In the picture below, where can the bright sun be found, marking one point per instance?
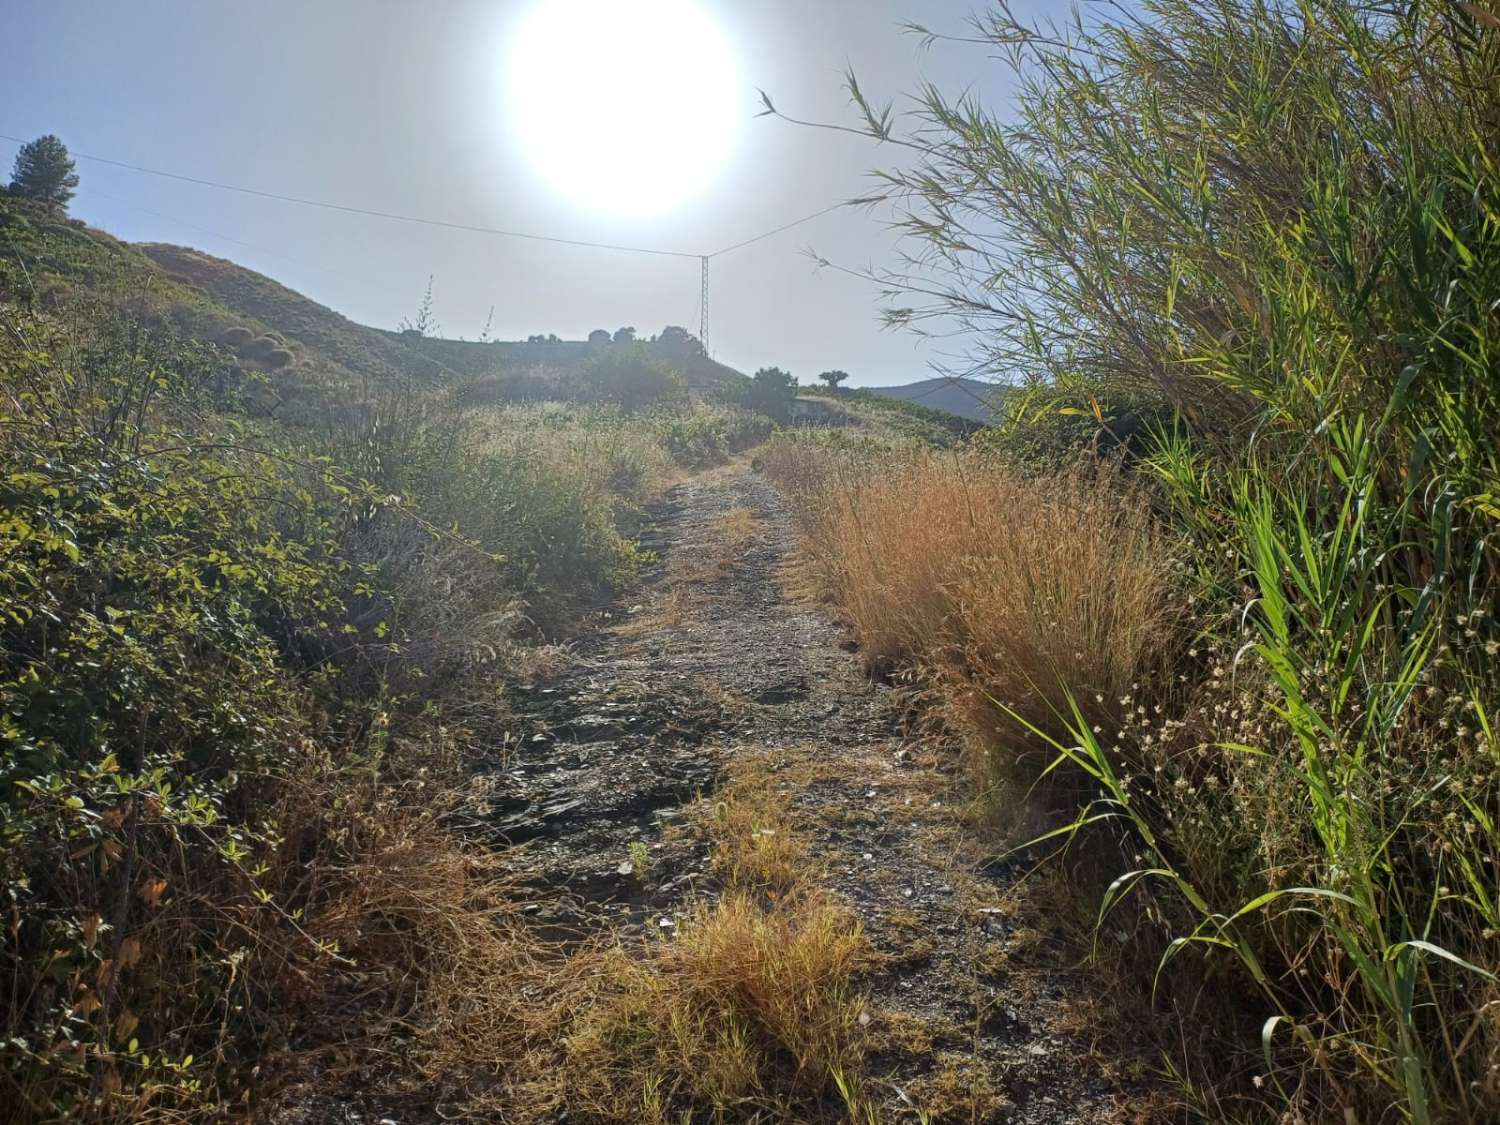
(626, 106)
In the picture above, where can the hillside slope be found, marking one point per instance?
(338, 342)
(382, 354)
(58, 261)
(319, 356)
(968, 398)
(323, 355)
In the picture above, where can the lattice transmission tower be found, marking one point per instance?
(703, 309)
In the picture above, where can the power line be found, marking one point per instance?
(786, 227)
(423, 221)
(369, 212)
(392, 216)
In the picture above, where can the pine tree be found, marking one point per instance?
(44, 172)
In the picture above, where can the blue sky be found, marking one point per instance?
(397, 107)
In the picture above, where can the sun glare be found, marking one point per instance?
(627, 106)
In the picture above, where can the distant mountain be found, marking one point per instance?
(968, 398)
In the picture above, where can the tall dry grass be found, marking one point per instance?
(1005, 587)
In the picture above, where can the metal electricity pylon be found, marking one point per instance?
(703, 309)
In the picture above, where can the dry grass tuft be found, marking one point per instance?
(732, 534)
(756, 848)
(748, 1009)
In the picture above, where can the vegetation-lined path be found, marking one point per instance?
(717, 676)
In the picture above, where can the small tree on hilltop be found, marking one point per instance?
(624, 335)
(44, 172)
(834, 378)
(599, 336)
(679, 341)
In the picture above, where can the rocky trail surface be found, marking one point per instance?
(712, 668)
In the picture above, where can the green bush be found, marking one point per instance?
(771, 391)
(707, 435)
(153, 591)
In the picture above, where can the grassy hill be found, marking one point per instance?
(329, 340)
(300, 353)
(52, 260)
(864, 410)
(305, 354)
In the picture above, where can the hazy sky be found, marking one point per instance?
(405, 107)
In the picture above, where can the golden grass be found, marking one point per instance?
(751, 1008)
(692, 569)
(732, 533)
(1005, 587)
(746, 1009)
(756, 848)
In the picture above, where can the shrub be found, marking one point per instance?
(260, 347)
(237, 686)
(771, 391)
(704, 436)
(278, 358)
(236, 336)
(695, 441)
(152, 587)
(550, 488)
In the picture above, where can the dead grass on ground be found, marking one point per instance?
(732, 533)
(751, 1010)
(748, 1009)
(756, 848)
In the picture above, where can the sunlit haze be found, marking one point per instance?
(627, 122)
(625, 107)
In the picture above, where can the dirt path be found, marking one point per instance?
(712, 670)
